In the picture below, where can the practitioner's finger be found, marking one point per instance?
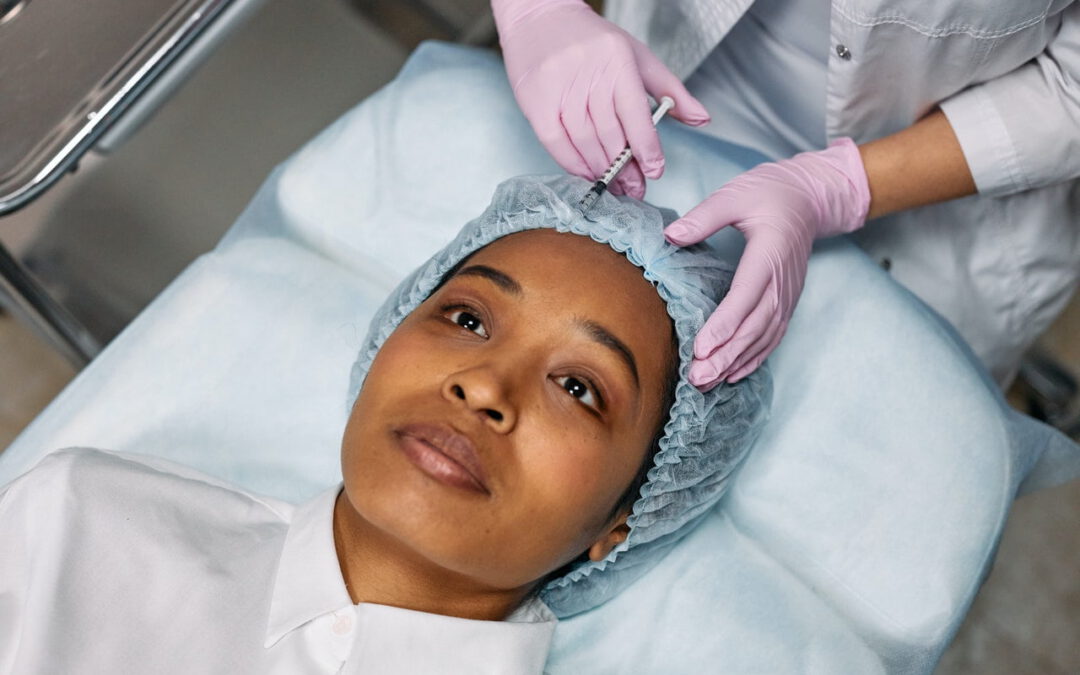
(632, 107)
(610, 132)
(720, 209)
(580, 127)
(759, 359)
(549, 130)
(760, 348)
(632, 180)
(745, 295)
(659, 82)
(709, 369)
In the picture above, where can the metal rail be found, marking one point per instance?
(27, 298)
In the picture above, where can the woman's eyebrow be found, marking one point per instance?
(595, 331)
(500, 279)
(603, 336)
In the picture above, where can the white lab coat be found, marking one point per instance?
(127, 564)
(1002, 264)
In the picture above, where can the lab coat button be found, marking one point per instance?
(843, 52)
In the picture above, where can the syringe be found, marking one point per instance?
(666, 104)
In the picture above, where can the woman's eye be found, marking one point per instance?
(468, 321)
(579, 390)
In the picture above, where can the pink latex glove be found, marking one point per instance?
(780, 208)
(582, 83)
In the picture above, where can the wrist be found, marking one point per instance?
(847, 189)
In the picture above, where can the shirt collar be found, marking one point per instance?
(532, 610)
(395, 640)
(309, 582)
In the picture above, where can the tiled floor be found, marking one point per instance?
(1027, 616)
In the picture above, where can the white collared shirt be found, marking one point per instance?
(124, 564)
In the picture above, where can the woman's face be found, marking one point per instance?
(502, 420)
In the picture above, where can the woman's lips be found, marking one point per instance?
(444, 454)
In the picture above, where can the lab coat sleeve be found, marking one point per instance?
(1022, 130)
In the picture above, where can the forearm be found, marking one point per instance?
(920, 165)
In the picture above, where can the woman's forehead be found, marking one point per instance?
(574, 270)
(545, 247)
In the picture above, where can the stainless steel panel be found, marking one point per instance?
(70, 68)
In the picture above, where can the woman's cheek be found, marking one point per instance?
(575, 467)
(410, 358)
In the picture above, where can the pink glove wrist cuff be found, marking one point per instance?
(849, 188)
(507, 13)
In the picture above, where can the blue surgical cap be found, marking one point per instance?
(706, 435)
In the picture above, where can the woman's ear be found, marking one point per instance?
(612, 537)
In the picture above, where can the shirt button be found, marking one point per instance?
(843, 52)
(342, 625)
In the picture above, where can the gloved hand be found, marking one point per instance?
(780, 208)
(582, 83)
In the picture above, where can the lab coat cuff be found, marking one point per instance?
(990, 152)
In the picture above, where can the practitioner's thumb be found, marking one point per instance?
(688, 109)
(702, 221)
(684, 232)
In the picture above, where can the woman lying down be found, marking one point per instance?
(523, 445)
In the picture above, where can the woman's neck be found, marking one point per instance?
(381, 569)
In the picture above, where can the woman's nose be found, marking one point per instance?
(483, 392)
